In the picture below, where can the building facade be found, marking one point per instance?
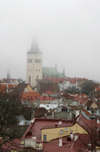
(34, 65)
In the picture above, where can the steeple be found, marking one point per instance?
(8, 74)
(34, 48)
(63, 72)
(56, 65)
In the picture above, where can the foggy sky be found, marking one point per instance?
(68, 33)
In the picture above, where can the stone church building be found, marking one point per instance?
(35, 70)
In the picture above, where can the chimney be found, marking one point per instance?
(71, 134)
(7, 89)
(60, 121)
(60, 142)
(89, 146)
(76, 137)
(53, 114)
(56, 125)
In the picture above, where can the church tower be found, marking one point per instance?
(34, 65)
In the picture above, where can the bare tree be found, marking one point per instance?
(10, 108)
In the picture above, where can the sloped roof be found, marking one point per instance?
(49, 92)
(11, 145)
(20, 88)
(34, 49)
(40, 123)
(82, 99)
(61, 75)
(89, 103)
(81, 144)
(30, 94)
(49, 71)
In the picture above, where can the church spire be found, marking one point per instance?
(8, 74)
(63, 72)
(56, 65)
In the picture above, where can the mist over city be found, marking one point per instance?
(68, 34)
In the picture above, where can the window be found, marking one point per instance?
(37, 61)
(44, 137)
(29, 60)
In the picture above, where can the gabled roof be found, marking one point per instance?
(40, 123)
(89, 103)
(20, 88)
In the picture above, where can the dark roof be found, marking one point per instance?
(20, 88)
(89, 103)
(26, 112)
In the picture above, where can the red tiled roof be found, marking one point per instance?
(30, 94)
(39, 123)
(60, 80)
(82, 99)
(48, 92)
(97, 89)
(3, 87)
(11, 145)
(81, 144)
(89, 103)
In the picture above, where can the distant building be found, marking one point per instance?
(34, 65)
(35, 71)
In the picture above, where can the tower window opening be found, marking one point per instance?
(29, 60)
(37, 61)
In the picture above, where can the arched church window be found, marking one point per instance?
(29, 80)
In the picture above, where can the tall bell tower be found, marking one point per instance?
(34, 65)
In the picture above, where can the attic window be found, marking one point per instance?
(44, 137)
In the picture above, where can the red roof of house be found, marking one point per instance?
(82, 99)
(97, 89)
(48, 92)
(11, 145)
(81, 144)
(60, 80)
(40, 123)
(30, 94)
(3, 87)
